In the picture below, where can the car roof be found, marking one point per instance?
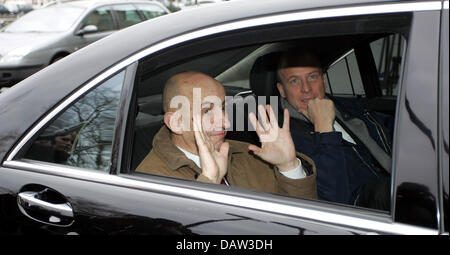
(43, 90)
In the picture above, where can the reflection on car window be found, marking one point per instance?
(127, 15)
(102, 18)
(359, 152)
(82, 135)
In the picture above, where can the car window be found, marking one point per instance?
(82, 135)
(100, 17)
(246, 66)
(388, 53)
(151, 11)
(343, 73)
(127, 15)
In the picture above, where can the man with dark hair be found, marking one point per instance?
(348, 143)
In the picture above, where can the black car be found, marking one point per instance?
(72, 134)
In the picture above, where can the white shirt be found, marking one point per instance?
(296, 173)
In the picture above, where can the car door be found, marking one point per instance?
(88, 184)
(60, 180)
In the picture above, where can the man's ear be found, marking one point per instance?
(281, 90)
(174, 122)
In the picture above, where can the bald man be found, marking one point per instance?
(192, 143)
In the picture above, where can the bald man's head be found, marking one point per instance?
(182, 84)
(191, 93)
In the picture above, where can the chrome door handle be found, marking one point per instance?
(54, 214)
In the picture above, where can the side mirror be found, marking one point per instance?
(87, 30)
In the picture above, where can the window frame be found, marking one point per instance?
(171, 50)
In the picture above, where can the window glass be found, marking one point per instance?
(102, 18)
(150, 11)
(82, 135)
(127, 15)
(247, 66)
(343, 77)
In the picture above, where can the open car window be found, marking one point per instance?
(359, 65)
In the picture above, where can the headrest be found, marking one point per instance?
(263, 76)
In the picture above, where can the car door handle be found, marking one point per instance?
(59, 214)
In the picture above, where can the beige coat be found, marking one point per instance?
(244, 170)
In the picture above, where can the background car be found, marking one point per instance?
(105, 106)
(46, 35)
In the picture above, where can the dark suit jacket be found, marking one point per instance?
(343, 169)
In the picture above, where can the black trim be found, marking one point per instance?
(368, 70)
(120, 140)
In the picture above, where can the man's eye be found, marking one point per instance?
(206, 111)
(293, 81)
(313, 77)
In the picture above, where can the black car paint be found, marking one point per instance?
(185, 215)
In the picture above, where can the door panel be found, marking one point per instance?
(415, 165)
(102, 208)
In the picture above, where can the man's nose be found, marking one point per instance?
(305, 86)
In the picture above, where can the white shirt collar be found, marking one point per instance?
(192, 157)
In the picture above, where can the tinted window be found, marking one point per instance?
(101, 18)
(82, 135)
(242, 60)
(344, 78)
(127, 15)
(387, 54)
